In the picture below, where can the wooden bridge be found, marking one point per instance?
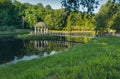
(83, 34)
(42, 29)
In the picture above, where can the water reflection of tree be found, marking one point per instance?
(49, 45)
(77, 39)
(30, 48)
(9, 48)
(56, 46)
(12, 47)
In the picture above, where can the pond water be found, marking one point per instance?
(13, 50)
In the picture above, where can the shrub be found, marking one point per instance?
(7, 28)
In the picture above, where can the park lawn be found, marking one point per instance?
(97, 59)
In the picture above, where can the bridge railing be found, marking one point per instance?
(67, 33)
(72, 33)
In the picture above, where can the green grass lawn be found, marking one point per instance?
(97, 59)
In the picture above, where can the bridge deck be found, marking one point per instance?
(90, 34)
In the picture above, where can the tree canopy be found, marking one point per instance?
(74, 5)
(26, 15)
(5, 3)
(107, 18)
(88, 5)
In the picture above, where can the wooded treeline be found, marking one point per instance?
(24, 15)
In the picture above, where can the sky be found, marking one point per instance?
(55, 4)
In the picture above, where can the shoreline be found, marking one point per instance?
(101, 56)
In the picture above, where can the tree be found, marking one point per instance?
(49, 21)
(80, 21)
(115, 1)
(55, 20)
(106, 17)
(116, 19)
(33, 14)
(4, 18)
(74, 5)
(70, 4)
(16, 13)
(48, 7)
(90, 5)
(5, 4)
(73, 20)
(31, 17)
(39, 11)
(87, 21)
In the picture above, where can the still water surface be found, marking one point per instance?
(13, 50)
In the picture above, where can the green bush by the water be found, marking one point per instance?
(7, 28)
(98, 59)
(39, 37)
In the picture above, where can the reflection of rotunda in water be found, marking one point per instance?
(44, 45)
(41, 44)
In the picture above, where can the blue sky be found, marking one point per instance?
(55, 4)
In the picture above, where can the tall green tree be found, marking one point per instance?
(5, 4)
(106, 17)
(31, 17)
(116, 19)
(73, 20)
(80, 21)
(40, 11)
(55, 20)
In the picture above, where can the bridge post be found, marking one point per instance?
(35, 30)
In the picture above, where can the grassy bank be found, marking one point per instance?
(15, 32)
(98, 59)
(39, 37)
(50, 37)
